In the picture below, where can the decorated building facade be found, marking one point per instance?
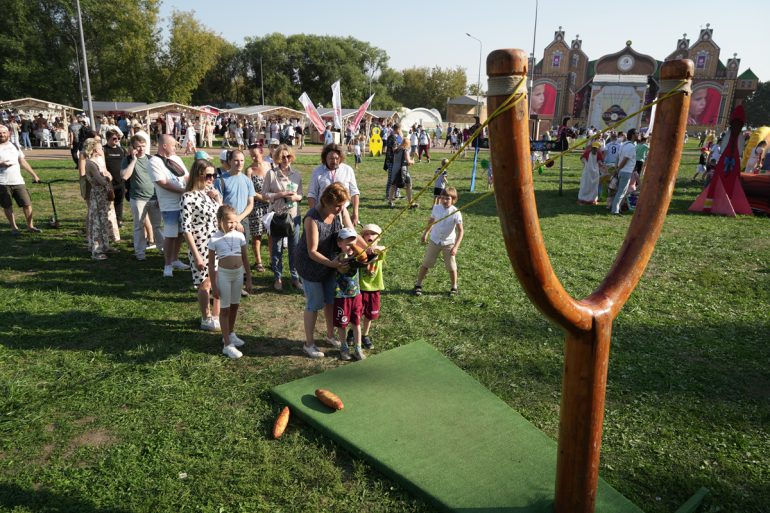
(602, 91)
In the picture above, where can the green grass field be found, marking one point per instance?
(113, 400)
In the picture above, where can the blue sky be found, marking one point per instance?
(432, 33)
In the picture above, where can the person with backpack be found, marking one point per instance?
(169, 175)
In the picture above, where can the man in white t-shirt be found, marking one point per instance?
(11, 182)
(169, 175)
(626, 166)
(333, 170)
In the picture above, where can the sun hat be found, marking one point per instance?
(346, 233)
(371, 227)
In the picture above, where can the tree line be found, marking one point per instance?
(134, 55)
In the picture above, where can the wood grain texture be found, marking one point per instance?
(587, 322)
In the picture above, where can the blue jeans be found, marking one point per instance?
(25, 142)
(276, 253)
(622, 192)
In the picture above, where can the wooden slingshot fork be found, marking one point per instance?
(588, 322)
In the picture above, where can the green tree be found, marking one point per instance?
(40, 44)
(430, 87)
(192, 51)
(224, 82)
(758, 106)
(309, 63)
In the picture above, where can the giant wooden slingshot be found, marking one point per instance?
(587, 322)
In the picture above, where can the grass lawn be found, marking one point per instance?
(112, 399)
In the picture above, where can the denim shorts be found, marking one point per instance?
(171, 223)
(319, 293)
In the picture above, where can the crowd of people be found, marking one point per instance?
(226, 212)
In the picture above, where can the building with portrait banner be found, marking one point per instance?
(600, 92)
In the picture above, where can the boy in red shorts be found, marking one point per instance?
(371, 282)
(347, 299)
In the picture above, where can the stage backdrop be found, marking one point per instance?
(613, 97)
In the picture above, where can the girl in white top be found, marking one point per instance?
(228, 247)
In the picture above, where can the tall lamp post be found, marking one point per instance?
(85, 68)
(532, 63)
(478, 82)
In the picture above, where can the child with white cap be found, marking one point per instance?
(347, 296)
(371, 283)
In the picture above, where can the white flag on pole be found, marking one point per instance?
(337, 104)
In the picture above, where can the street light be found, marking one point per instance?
(370, 62)
(478, 82)
(532, 64)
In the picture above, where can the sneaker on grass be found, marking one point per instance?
(235, 340)
(332, 341)
(312, 351)
(208, 324)
(367, 342)
(178, 264)
(168, 272)
(358, 353)
(231, 351)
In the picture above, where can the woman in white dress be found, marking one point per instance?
(189, 139)
(589, 181)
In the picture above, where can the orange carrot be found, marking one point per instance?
(329, 399)
(280, 423)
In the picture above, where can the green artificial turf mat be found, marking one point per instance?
(430, 426)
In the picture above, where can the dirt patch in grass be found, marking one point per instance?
(84, 421)
(94, 438)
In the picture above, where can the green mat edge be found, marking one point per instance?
(355, 451)
(386, 470)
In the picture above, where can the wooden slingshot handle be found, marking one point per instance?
(587, 322)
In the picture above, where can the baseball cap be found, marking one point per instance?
(346, 233)
(200, 154)
(596, 144)
(371, 227)
(223, 156)
(274, 142)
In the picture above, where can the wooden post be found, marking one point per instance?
(588, 322)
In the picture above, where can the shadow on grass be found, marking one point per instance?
(129, 338)
(42, 500)
(63, 266)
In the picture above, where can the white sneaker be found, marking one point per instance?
(152, 246)
(168, 271)
(231, 351)
(178, 264)
(215, 320)
(332, 341)
(235, 340)
(312, 351)
(208, 324)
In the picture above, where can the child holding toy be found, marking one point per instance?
(445, 227)
(371, 283)
(347, 296)
(228, 258)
